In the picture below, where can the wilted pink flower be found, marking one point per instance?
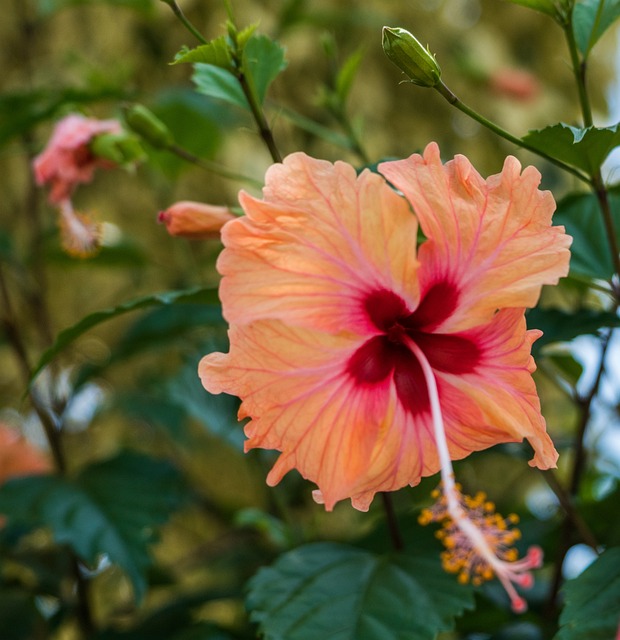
(195, 220)
(67, 159)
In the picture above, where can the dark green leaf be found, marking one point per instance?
(566, 365)
(111, 508)
(216, 413)
(345, 593)
(264, 60)
(66, 337)
(593, 601)
(219, 83)
(19, 618)
(582, 148)
(167, 323)
(560, 326)
(591, 18)
(216, 52)
(581, 215)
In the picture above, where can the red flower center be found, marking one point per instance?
(387, 354)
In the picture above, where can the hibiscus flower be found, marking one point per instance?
(67, 160)
(351, 348)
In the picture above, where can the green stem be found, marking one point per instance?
(178, 12)
(598, 186)
(610, 227)
(579, 69)
(259, 117)
(255, 107)
(454, 101)
(213, 167)
(392, 521)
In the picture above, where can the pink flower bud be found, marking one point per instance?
(68, 160)
(195, 220)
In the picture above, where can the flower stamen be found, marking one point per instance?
(80, 235)
(478, 541)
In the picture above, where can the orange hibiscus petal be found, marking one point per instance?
(320, 239)
(501, 389)
(492, 241)
(351, 440)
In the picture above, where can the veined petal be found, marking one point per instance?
(502, 390)
(491, 241)
(312, 249)
(352, 440)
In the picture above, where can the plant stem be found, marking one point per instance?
(579, 69)
(602, 196)
(259, 117)
(178, 12)
(598, 186)
(454, 101)
(585, 404)
(567, 502)
(255, 107)
(213, 167)
(392, 520)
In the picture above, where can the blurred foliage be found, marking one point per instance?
(158, 519)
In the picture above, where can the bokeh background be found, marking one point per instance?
(131, 383)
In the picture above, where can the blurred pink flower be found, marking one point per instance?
(348, 350)
(18, 457)
(67, 160)
(195, 220)
(514, 83)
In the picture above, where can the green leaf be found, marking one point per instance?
(264, 59)
(591, 18)
(560, 326)
(347, 73)
(585, 149)
(552, 8)
(351, 594)
(581, 215)
(566, 366)
(111, 508)
(593, 601)
(218, 83)
(216, 52)
(67, 336)
(215, 413)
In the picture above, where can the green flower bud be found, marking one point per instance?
(406, 52)
(146, 124)
(120, 148)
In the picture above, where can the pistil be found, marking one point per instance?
(477, 540)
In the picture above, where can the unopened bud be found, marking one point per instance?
(406, 52)
(146, 124)
(120, 148)
(195, 220)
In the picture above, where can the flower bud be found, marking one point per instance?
(146, 124)
(195, 220)
(119, 148)
(406, 52)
